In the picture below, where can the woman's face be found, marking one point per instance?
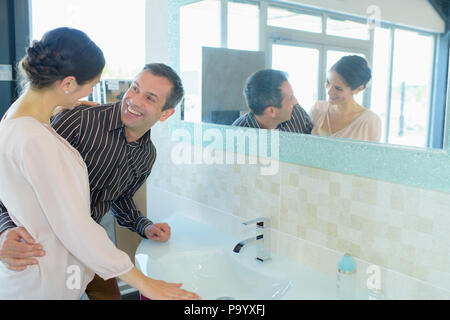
(73, 91)
(85, 89)
(338, 91)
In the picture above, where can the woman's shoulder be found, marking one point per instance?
(25, 132)
(370, 116)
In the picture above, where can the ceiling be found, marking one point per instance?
(443, 8)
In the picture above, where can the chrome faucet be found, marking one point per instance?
(261, 225)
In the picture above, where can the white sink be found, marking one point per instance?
(202, 258)
(218, 275)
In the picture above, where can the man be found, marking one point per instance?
(272, 104)
(114, 141)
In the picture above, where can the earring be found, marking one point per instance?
(67, 92)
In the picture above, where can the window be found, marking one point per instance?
(381, 76)
(302, 65)
(411, 88)
(243, 25)
(199, 27)
(124, 50)
(298, 20)
(346, 28)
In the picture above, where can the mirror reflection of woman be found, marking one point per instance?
(341, 116)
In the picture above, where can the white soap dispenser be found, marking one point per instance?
(346, 278)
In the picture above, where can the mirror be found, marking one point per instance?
(406, 54)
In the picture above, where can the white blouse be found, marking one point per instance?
(44, 185)
(365, 127)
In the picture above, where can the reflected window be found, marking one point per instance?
(411, 88)
(347, 28)
(99, 20)
(199, 27)
(297, 20)
(243, 26)
(302, 65)
(381, 76)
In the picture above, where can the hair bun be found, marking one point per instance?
(42, 65)
(60, 53)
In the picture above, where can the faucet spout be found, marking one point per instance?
(241, 244)
(261, 225)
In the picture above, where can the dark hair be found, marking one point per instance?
(60, 53)
(354, 70)
(262, 90)
(177, 92)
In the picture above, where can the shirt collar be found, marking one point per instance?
(252, 120)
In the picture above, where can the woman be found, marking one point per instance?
(341, 116)
(45, 185)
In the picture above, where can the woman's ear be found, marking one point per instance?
(68, 84)
(359, 89)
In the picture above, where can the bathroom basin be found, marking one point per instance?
(202, 259)
(218, 275)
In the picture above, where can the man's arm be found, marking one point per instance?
(67, 124)
(17, 246)
(5, 219)
(126, 212)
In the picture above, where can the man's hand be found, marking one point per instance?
(58, 109)
(17, 249)
(158, 232)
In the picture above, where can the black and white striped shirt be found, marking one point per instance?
(116, 168)
(300, 121)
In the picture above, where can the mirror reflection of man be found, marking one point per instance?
(272, 104)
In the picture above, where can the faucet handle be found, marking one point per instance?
(259, 222)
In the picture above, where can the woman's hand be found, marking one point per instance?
(161, 290)
(156, 289)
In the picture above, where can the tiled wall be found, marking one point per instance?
(317, 215)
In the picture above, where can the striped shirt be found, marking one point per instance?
(300, 121)
(116, 168)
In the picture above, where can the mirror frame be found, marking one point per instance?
(419, 167)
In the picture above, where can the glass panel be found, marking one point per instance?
(297, 20)
(411, 85)
(333, 56)
(243, 26)
(380, 76)
(302, 65)
(199, 26)
(347, 28)
(98, 19)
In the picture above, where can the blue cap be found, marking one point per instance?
(346, 264)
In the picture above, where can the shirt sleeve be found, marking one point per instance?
(61, 187)
(307, 122)
(5, 220)
(67, 124)
(374, 129)
(126, 212)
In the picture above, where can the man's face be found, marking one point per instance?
(287, 103)
(143, 102)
